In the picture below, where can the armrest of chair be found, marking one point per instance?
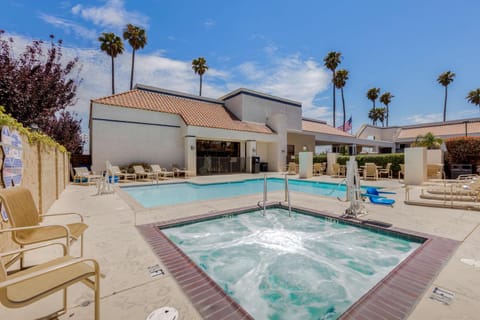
(63, 214)
(53, 268)
(67, 231)
(9, 253)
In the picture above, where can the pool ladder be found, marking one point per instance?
(262, 204)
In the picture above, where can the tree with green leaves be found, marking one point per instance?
(372, 95)
(199, 66)
(137, 38)
(386, 99)
(428, 141)
(474, 97)
(340, 81)
(112, 45)
(445, 79)
(331, 62)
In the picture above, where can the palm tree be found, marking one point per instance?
(373, 115)
(445, 79)
(386, 98)
(331, 62)
(137, 39)
(339, 81)
(381, 115)
(113, 46)
(199, 66)
(428, 140)
(474, 97)
(372, 95)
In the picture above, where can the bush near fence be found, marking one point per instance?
(379, 159)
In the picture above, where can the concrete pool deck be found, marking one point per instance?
(129, 292)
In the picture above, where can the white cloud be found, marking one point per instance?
(69, 26)
(290, 77)
(425, 118)
(112, 14)
(209, 23)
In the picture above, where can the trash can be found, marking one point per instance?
(255, 164)
(263, 166)
(459, 169)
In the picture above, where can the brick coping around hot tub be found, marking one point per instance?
(394, 297)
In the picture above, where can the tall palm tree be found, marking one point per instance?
(474, 97)
(445, 79)
(137, 39)
(199, 66)
(386, 98)
(339, 81)
(372, 95)
(331, 62)
(113, 46)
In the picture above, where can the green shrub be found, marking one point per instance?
(320, 158)
(379, 159)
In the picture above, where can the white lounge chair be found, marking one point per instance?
(123, 174)
(142, 174)
(82, 175)
(162, 173)
(179, 172)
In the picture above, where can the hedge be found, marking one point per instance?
(379, 159)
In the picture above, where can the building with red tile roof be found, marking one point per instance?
(207, 136)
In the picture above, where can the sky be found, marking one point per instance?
(275, 47)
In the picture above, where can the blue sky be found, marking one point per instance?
(275, 47)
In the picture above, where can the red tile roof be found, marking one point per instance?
(193, 112)
(319, 127)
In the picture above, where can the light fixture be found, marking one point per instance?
(192, 147)
(305, 148)
(254, 150)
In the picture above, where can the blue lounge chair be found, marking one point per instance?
(374, 196)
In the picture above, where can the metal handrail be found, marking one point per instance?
(264, 192)
(287, 196)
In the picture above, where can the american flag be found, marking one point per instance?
(348, 125)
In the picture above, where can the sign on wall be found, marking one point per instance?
(12, 168)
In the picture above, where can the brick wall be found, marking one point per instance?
(45, 174)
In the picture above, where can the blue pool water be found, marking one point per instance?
(175, 193)
(300, 267)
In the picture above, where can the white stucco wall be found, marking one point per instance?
(261, 110)
(157, 138)
(257, 109)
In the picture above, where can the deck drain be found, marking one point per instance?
(165, 313)
(156, 271)
(442, 295)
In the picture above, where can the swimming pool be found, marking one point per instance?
(299, 267)
(175, 193)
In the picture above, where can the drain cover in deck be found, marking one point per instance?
(442, 295)
(165, 313)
